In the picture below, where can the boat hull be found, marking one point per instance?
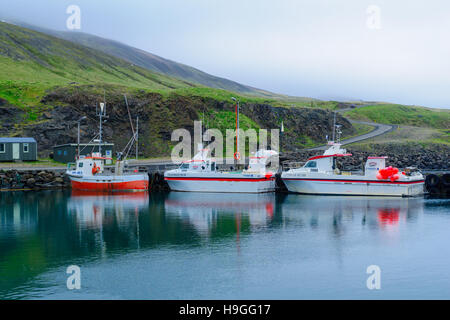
(354, 187)
(111, 183)
(229, 185)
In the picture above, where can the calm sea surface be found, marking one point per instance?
(222, 246)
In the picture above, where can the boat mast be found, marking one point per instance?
(101, 114)
(339, 132)
(137, 136)
(334, 127)
(237, 124)
(135, 133)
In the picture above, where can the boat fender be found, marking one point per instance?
(394, 177)
(446, 179)
(388, 173)
(433, 190)
(269, 175)
(432, 180)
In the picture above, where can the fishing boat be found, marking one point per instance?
(88, 172)
(202, 175)
(320, 175)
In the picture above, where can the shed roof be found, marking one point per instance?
(83, 144)
(16, 139)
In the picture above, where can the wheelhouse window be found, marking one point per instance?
(184, 166)
(80, 165)
(2, 148)
(26, 147)
(311, 164)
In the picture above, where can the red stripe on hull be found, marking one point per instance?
(113, 186)
(357, 181)
(220, 179)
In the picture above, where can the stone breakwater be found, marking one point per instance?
(32, 180)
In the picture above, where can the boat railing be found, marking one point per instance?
(71, 166)
(287, 165)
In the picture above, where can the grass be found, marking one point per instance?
(402, 115)
(220, 95)
(30, 164)
(360, 130)
(409, 134)
(223, 120)
(304, 141)
(32, 62)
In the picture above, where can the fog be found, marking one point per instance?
(396, 51)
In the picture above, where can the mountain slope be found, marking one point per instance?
(31, 56)
(153, 62)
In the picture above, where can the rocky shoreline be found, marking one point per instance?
(32, 180)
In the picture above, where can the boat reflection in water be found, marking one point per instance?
(339, 210)
(207, 211)
(92, 207)
(141, 239)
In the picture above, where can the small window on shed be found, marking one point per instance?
(25, 147)
(2, 148)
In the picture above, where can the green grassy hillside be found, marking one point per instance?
(151, 61)
(164, 66)
(402, 115)
(31, 62)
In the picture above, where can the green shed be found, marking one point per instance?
(18, 149)
(66, 153)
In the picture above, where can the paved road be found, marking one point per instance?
(378, 130)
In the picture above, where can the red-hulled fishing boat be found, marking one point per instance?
(88, 172)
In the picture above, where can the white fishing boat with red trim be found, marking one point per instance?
(88, 172)
(202, 175)
(320, 175)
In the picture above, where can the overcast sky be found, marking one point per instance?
(397, 51)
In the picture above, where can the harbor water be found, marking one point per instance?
(222, 246)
